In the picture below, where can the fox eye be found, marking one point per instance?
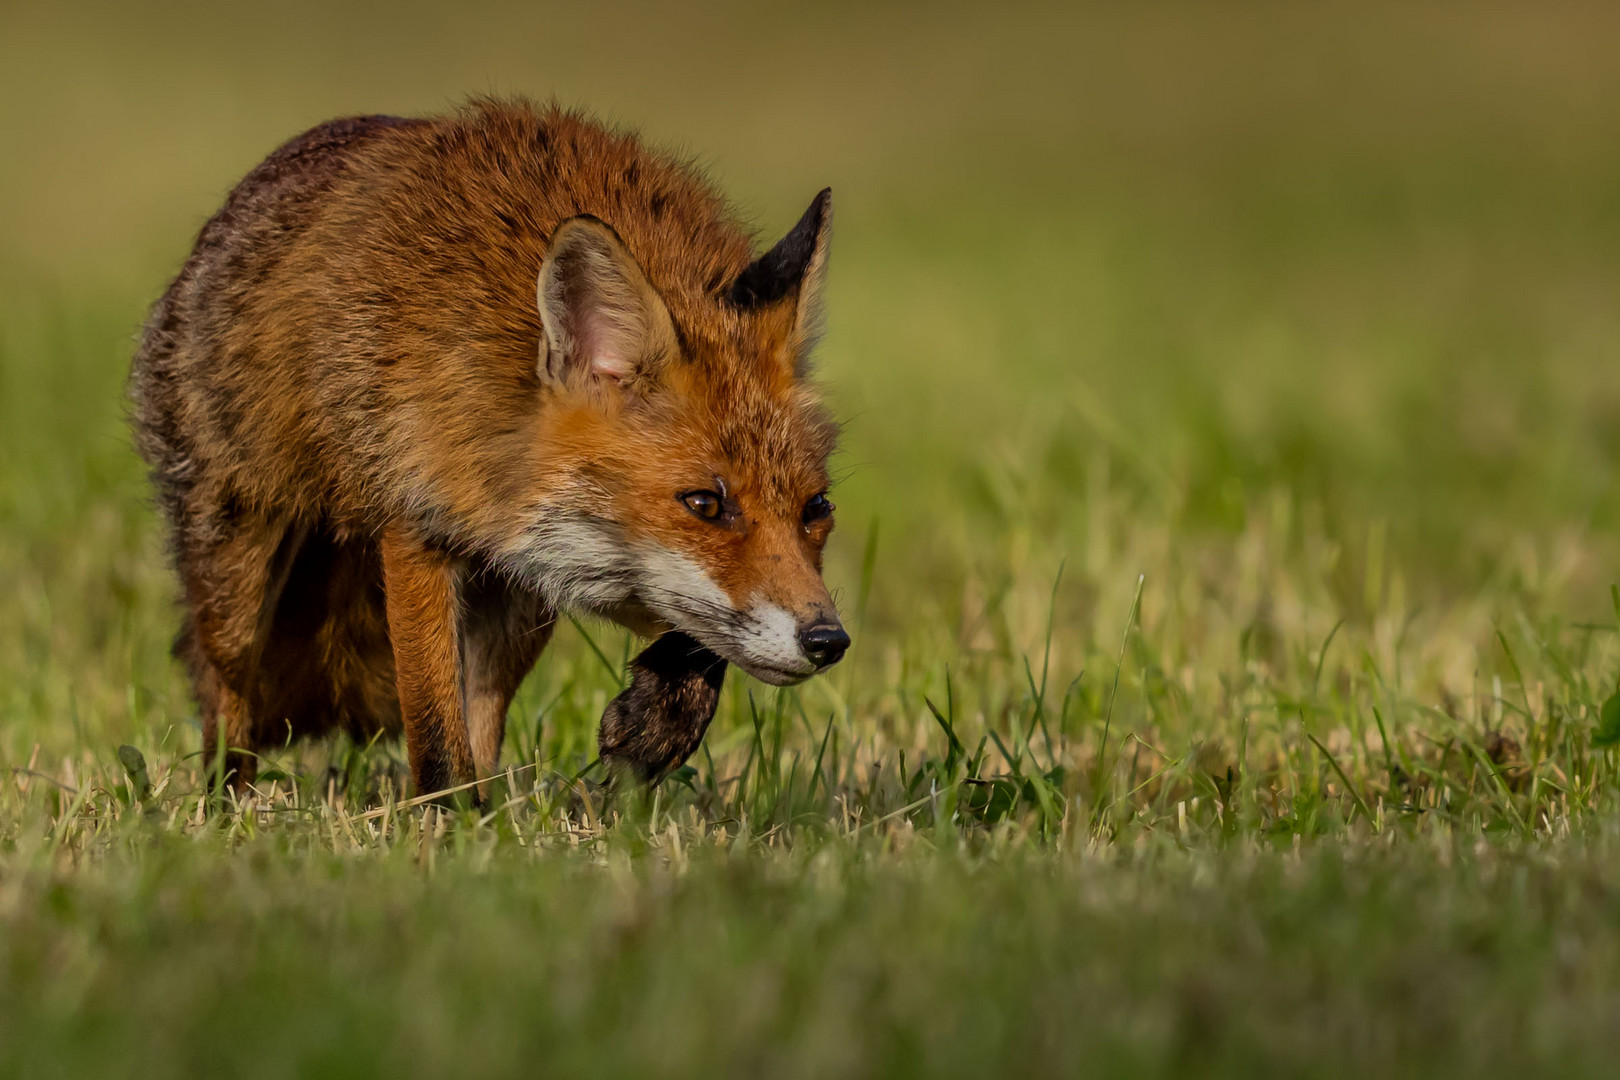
(705, 504)
(819, 508)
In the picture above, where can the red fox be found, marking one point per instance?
(424, 384)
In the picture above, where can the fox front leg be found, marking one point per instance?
(659, 719)
(420, 589)
(504, 630)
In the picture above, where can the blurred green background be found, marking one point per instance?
(1301, 319)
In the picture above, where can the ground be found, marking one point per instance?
(1227, 526)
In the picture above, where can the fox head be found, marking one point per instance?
(689, 453)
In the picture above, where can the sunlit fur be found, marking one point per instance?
(355, 348)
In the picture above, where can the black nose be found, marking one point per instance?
(824, 643)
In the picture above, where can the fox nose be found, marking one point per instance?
(824, 643)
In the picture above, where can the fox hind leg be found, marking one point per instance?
(233, 573)
(226, 730)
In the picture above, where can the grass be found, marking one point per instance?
(1227, 526)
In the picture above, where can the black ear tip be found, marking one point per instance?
(807, 230)
(779, 271)
(820, 207)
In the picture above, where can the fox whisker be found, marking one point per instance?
(697, 605)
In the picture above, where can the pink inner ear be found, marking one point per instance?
(606, 364)
(603, 337)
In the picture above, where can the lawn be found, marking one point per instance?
(1227, 527)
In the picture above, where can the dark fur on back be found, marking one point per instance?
(276, 199)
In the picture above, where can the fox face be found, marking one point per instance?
(686, 462)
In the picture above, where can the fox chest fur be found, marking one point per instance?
(424, 384)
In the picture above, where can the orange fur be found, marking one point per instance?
(383, 482)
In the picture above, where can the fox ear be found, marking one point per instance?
(602, 320)
(792, 270)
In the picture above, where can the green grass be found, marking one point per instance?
(1227, 526)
